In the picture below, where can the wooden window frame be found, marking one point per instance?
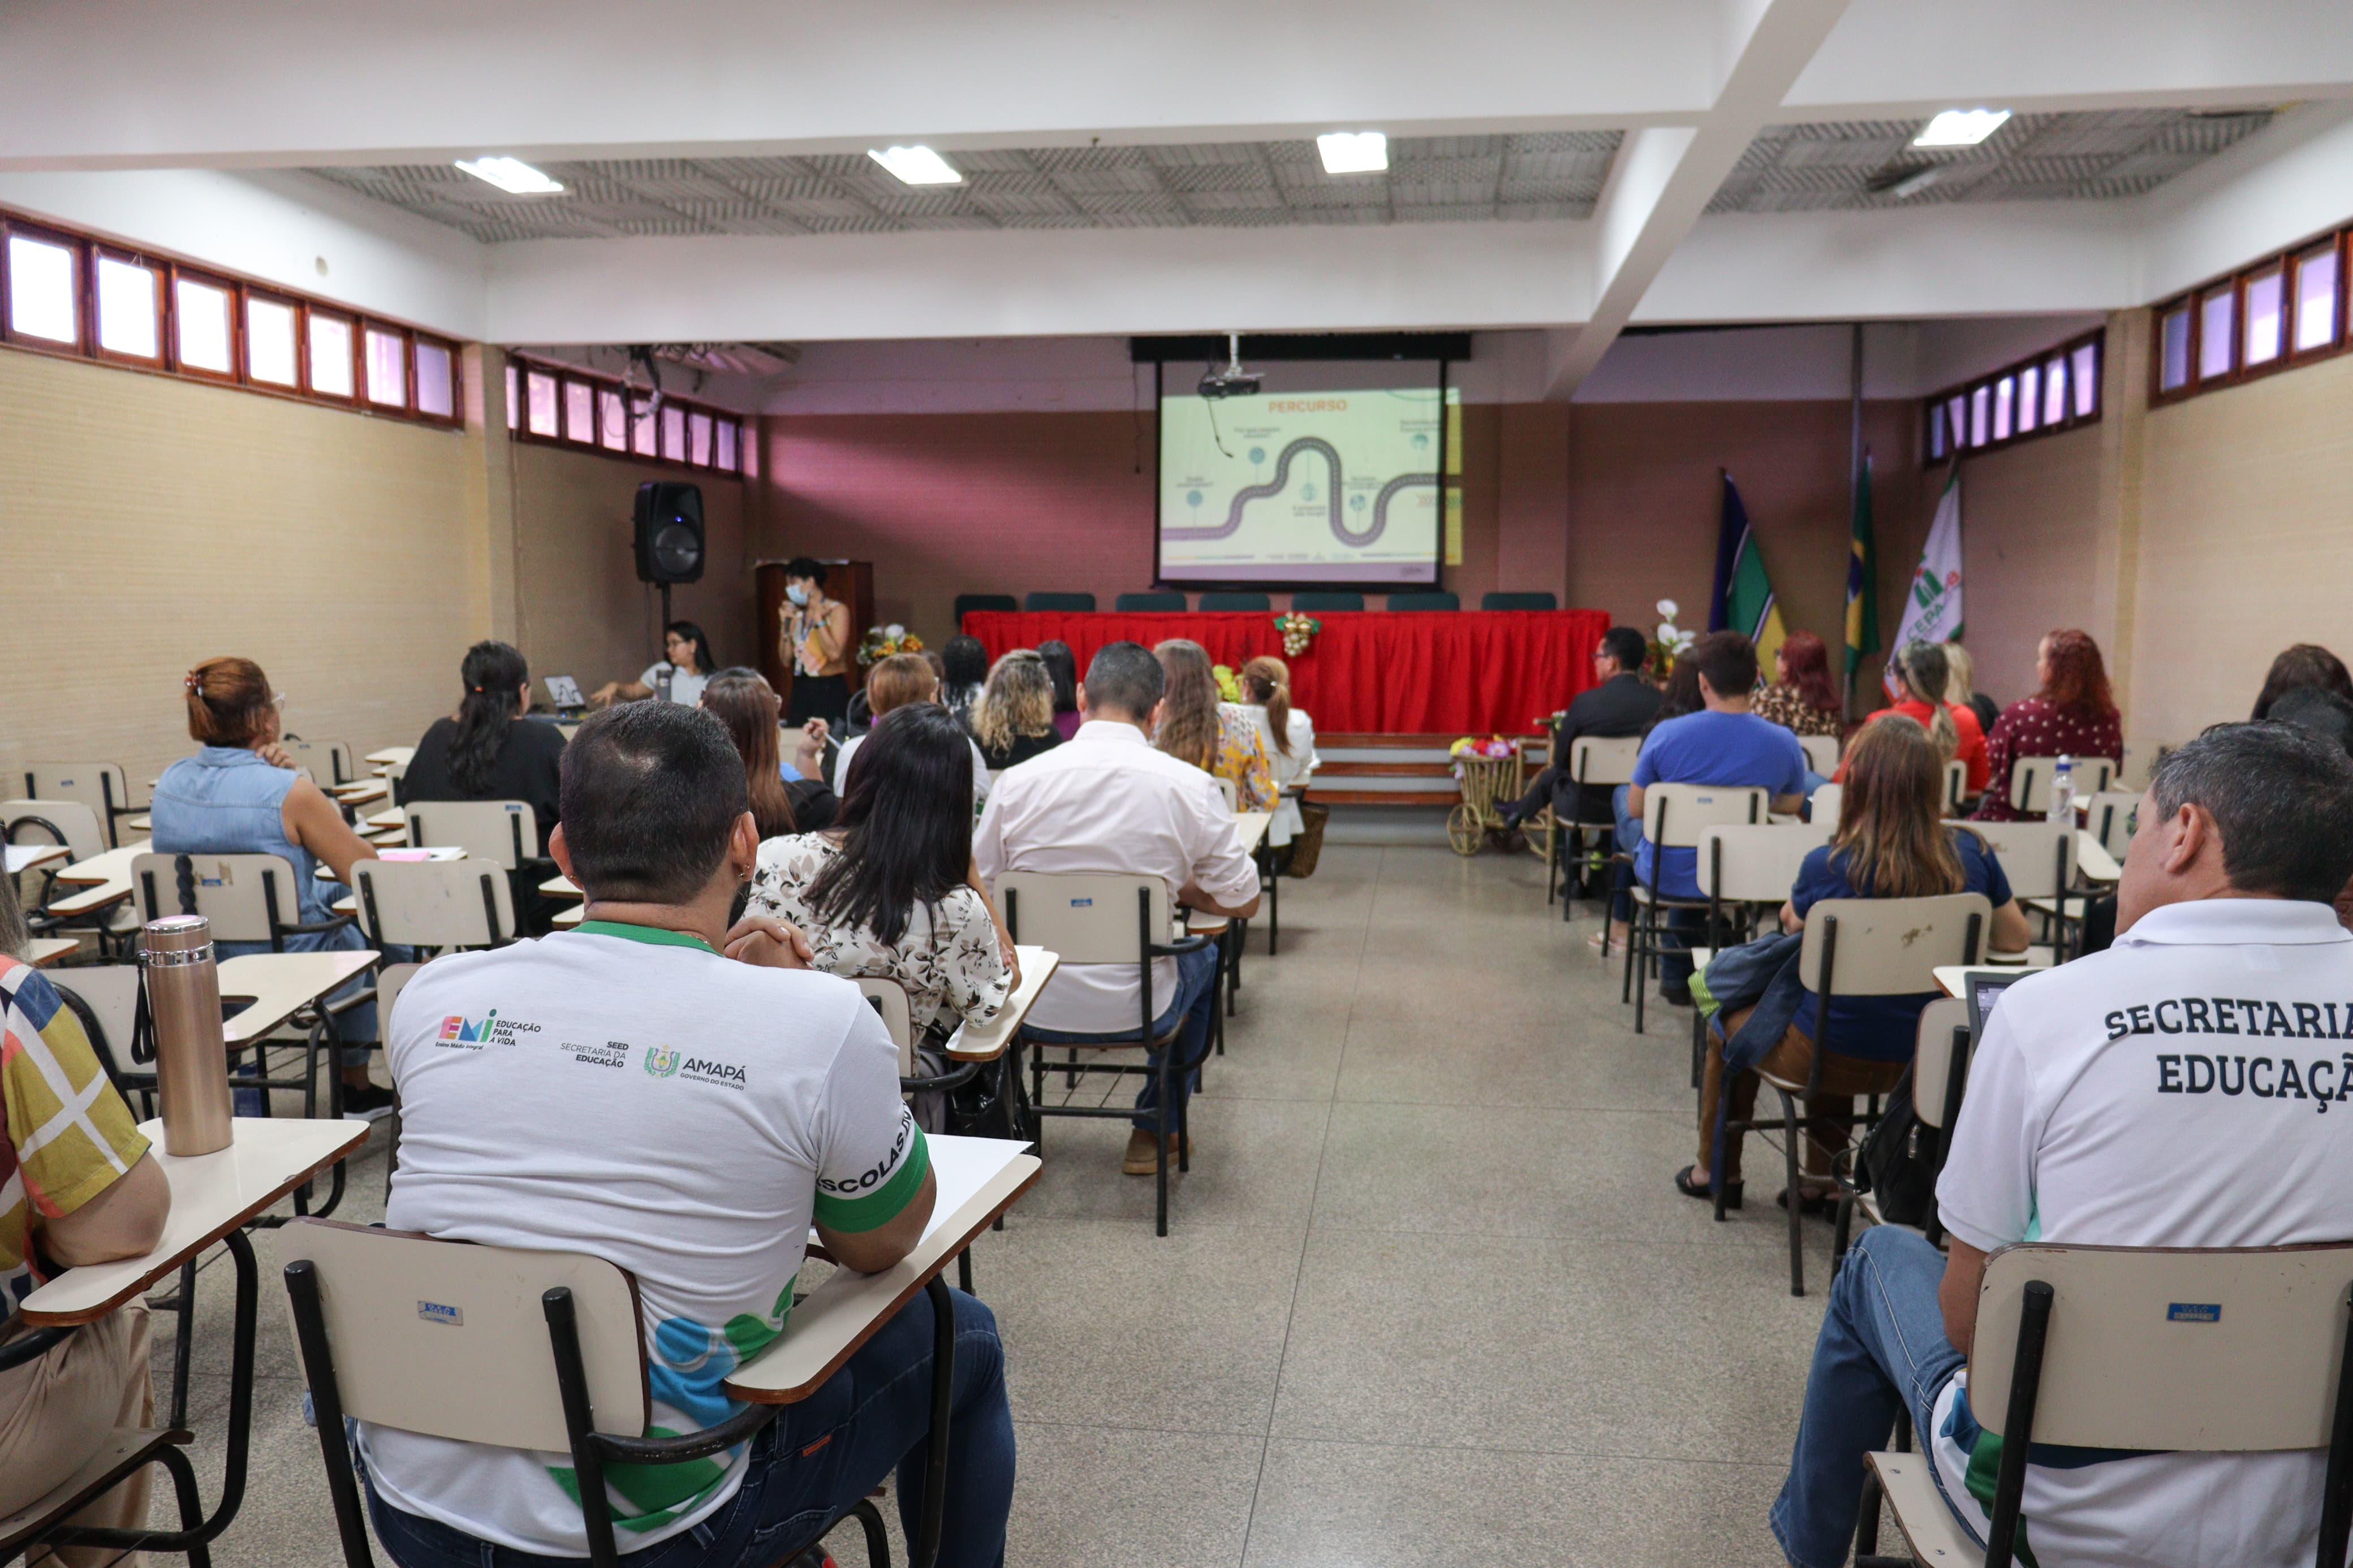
(633, 404)
(2338, 247)
(2287, 259)
(455, 355)
(1964, 395)
(85, 316)
(408, 342)
(159, 276)
(236, 296)
(2286, 321)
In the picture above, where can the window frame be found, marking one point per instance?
(2287, 260)
(1958, 403)
(85, 316)
(235, 300)
(634, 417)
(159, 276)
(2337, 246)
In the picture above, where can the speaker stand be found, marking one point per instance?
(665, 588)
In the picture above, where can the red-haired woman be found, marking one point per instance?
(2071, 714)
(1801, 697)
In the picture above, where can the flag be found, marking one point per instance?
(1862, 580)
(1932, 607)
(1743, 600)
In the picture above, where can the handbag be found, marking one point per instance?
(1307, 843)
(1896, 1161)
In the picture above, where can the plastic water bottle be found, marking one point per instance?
(2062, 791)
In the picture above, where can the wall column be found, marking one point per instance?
(489, 494)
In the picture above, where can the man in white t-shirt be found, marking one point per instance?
(2171, 1091)
(685, 1100)
(1107, 800)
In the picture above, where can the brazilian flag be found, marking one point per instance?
(1862, 580)
(1743, 600)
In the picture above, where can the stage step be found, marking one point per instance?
(1390, 770)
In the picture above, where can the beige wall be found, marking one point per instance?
(2030, 531)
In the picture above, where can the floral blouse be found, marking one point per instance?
(947, 961)
(1241, 755)
(1782, 704)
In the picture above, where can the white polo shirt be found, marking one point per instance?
(2188, 1088)
(1107, 800)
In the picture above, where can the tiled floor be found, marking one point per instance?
(1428, 1297)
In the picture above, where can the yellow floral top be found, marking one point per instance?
(1241, 755)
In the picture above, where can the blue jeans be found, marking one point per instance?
(817, 1459)
(1196, 992)
(1675, 961)
(1882, 1349)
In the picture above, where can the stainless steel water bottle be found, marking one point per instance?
(190, 1058)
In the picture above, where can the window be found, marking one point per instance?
(644, 438)
(726, 459)
(2217, 315)
(575, 407)
(2005, 401)
(698, 440)
(2173, 359)
(42, 290)
(201, 312)
(580, 413)
(750, 453)
(673, 432)
(130, 308)
(2087, 380)
(269, 355)
(1980, 415)
(2053, 391)
(331, 355)
(540, 388)
(2316, 298)
(2029, 405)
(2263, 340)
(387, 368)
(612, 420)
(1936, 432)
(435, 386)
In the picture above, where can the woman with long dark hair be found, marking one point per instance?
(1063, 666)
(891, 890)
(1215, 736)
(679, 676)
(1802, 699)
(2071, 714)
(749, 707)
(487, 750)
(1890, 842)
(2302, 664)
(963, 670)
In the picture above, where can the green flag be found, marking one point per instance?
(1862, 580)
(1743, 599)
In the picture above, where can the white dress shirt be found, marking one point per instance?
(1107, 800)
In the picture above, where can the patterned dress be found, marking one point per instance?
(946, 960)
(1241, 755)
(2033, 728)
(1784, 706)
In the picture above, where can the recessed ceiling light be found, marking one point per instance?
(510, 174)
(1961, 128)
(1353, 152)
(916, 165)
(1913, 183)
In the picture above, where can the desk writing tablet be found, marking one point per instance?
(281, 983)
(1954, 977)
(43, 951)
(986, 1042)
(390, 756)
(114, 865)
(25, 856)
(561, 886)
(1251, 826)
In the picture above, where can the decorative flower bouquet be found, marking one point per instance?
(1669, 642)
(1298, 630)
(1494, 746)
(1230, 686)
(882, 642)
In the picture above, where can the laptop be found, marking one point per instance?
(1985, 986)
(564, 692)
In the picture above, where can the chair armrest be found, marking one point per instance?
(1179, 947)
(315, 926)
(33, 1345)
(700, 1445)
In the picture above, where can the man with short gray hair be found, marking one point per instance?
(2172, 1091)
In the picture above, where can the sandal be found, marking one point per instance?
(1807, 1203)
(1690, 1189)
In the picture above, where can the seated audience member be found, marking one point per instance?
(2071, 714)
(1919, 676)
(2305, 664)
(85, 1194)
(891, 891)
(1619, 703)
(1890, 842)
(679, 676)
(1961, 687)
(893, 683)
(1014, 719)
(963, 670)
(1063, 666)
(239, 795)
(1215, 736)
(1679, 697)
(818, 644)
(749, 707)
(2325, 713)
(2086, 1124)
(1802, 699)
(1722, 744)
(784, 1113)
(485, 751)
(1288, 735)
(1109, 801)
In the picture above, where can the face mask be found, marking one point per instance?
(796, 593)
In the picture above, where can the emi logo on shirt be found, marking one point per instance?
(661, 1061)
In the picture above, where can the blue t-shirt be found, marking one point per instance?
(1731, 750)
(1883, 1028)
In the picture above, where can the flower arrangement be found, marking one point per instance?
(1230, 686)
(1298, 630)
(882, 642)
(1669, 642)
(1472, 746)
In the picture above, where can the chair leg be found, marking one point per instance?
(1160, 1144)
(1641, 951)
(1866, 1524)
(183, 1342)
(1699, 1046)
(1789, 1135)
(1841, 1231)
(963, 1272)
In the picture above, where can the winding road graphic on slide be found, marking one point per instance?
(1340, 529)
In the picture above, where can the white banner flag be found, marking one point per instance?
(1932, 606)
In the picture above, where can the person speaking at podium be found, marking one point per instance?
(817, 645)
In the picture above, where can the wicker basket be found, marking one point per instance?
(1488, 785)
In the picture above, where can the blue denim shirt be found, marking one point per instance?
(228, 801)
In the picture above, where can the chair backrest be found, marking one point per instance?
(889, 1000)
(54, 820)
(1932, 1056)
(967, 602)
(2039, 858)
(328, 761)
(2110, 820)
(1603, 759)
(1822, 805)
(1891, 947)
(1822, 753)
(1088, 917)
(1327, 599)
(450, 1338)
(1509, 600)
(2030, 781)
(1236, 600)
(396, 779)
(1435, 599)
(101, 787)
(1956, 785)
(1137, 603)
(111, 994)
(2198, 1350)
(389, 979)
(1227, 788)
(1744, 865)
(1076, 602)
(503, 832)
(434, 903)
(246, 897)
(1675, 815)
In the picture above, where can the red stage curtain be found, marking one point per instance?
(1428, 672)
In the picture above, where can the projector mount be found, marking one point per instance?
(1233, 381)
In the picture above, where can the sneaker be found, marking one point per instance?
(1140, 1162)
(366, 1103)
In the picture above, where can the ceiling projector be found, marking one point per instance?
(1233, 381)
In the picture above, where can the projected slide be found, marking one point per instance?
(1316, 486)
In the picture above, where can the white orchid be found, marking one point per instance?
(1668, 634)
(1668, 609)
(894, 631)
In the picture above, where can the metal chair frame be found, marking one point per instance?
(1644, 929)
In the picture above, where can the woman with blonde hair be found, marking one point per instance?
(1286, 732)
(895, 682)
(1890, 842)
(1216, 736)
(1013, 718)
(1921, 681)
(1961, 687)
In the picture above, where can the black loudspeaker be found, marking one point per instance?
(669, 532)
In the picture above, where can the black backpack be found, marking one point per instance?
(1898, 1160)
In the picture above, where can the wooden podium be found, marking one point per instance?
(851, 582)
